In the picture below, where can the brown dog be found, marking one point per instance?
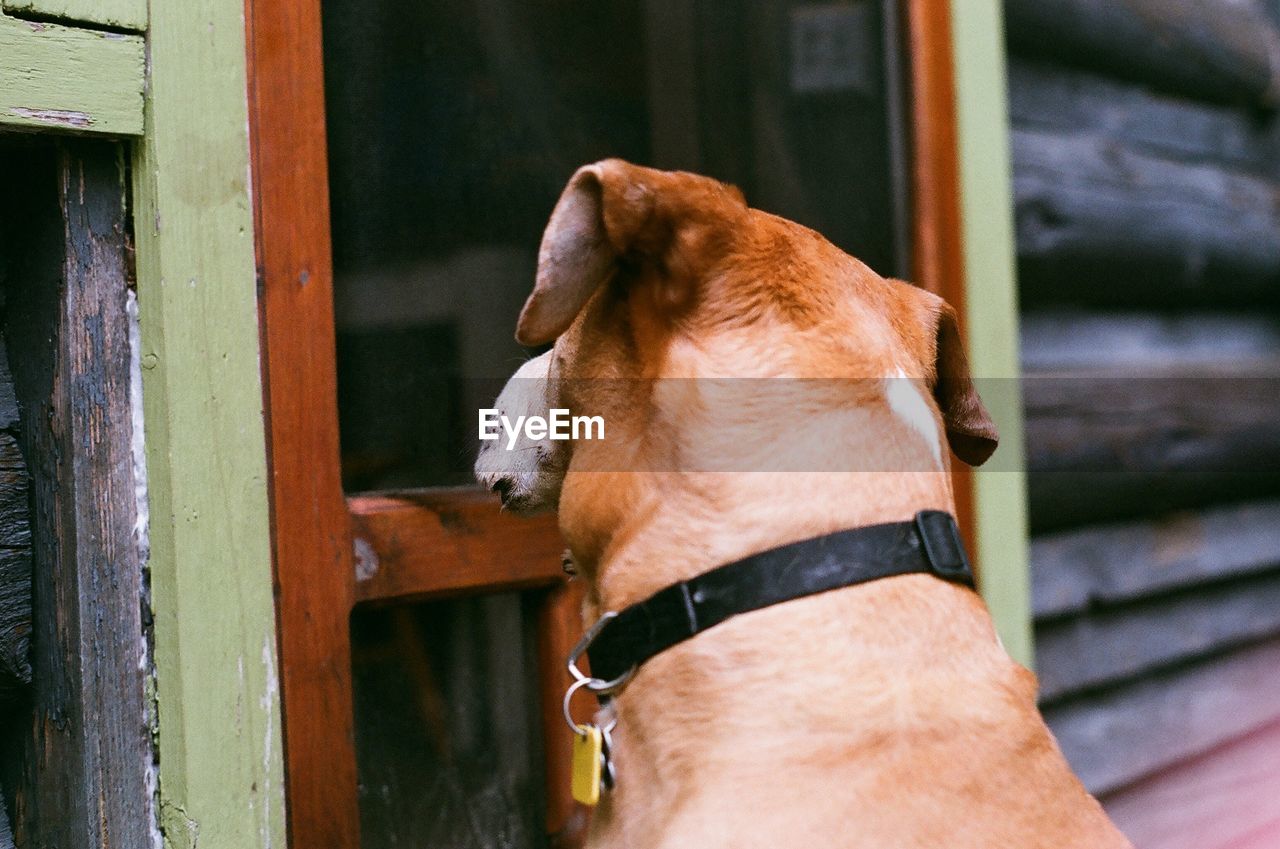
(884, 715)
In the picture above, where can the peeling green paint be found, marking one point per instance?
(179, 830)
(992, 310)
(55, 77)
(221, 776)
(116, 14)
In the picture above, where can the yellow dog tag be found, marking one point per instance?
(588, 749)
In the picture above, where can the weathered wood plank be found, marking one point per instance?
(1210, 48)
(1103, 445)
(15, 562)
(85, 743)
(1101, 223)
(1052, 98)
(1112, 564)
(1149, 343)
(114, 14)
(1090, 649)
(15, 571)
(55, 77)
(8, 401)
(415, 545)
(1224, 799)
(1115, 738)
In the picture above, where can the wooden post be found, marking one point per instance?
(217, 668)
(315, 580)
(85, 745)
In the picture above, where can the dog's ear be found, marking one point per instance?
(609, 211)
(575, 257)
(970, 430)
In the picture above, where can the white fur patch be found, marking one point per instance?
(907, 403)
(533, 470)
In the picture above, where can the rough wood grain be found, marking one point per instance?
(15, 570)
(1225, 799)
(1153, 343)
(1113, 564)
(1102, 223)
(1104, 445)
(113, 14)
(55, 77)
(8, 401)
(1109, 645)
(1117, 737)
(1052, 98)
(1215, 49)
(15, 556)
(414, 545)
(85, 744)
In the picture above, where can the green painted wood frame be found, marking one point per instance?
(991, 307)
(56, 77)
(221, 775)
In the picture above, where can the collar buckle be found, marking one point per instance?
(943, 548)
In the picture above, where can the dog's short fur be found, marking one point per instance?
(884, 715)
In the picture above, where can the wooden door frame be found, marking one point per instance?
(401, 540)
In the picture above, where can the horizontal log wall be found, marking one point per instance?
(1146, 152)
(1055, 98)
(1102, 223)
(1076, 571)
(1214, 49)
(1132, 731)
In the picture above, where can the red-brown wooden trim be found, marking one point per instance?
(559, 627)
(415, 545)
(311, 537)
(937, 237)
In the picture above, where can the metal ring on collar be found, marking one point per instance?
(578, 728)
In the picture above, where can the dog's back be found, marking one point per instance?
(878, 716)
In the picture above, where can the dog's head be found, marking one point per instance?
(646, 274)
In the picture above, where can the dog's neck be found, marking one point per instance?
(719, 486)
(790, 681)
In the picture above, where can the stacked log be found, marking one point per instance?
(15, 564)
(1146, 155)
(1211, 49)
(15, 547)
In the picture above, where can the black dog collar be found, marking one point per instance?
(620, 642)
